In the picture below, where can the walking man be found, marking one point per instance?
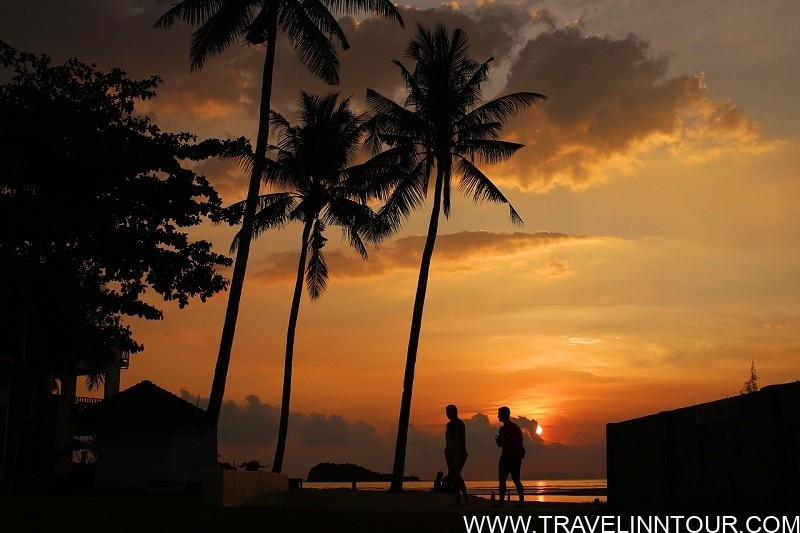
(455, 453)
(509, 439)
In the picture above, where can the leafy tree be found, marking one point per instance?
(322, 187)
(441, 126)
(310, 26)
(751, 385)
(93, 203)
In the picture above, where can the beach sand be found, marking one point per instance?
(298, 510)
(374, 511)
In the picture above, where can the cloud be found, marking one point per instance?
(318, 429)
(404, 254)
(557, 268)
(250, 428)
(581, 340)
(610, 102)
(611, 99)
(254, 422)
(248, 422)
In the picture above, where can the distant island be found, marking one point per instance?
(326, 472)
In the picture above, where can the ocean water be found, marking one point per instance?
(547, 490)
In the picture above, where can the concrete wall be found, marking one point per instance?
(223, 488)
(736, 454)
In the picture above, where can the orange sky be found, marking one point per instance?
(659, 254)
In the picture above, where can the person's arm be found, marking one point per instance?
(462, 438)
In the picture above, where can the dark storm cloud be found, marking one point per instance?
(254, 422)
(318, 429)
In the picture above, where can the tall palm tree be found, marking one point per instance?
(310, 26)
(314, 165)
(441, 126)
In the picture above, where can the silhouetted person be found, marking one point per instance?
(437, 483)
(447, 485)
(455, 453)
(509, 438)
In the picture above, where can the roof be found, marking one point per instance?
(144, 404)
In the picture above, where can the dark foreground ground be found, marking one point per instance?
(312, 510)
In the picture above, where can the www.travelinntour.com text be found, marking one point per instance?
(631, 524)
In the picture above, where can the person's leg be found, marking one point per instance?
(462, 485)
(502, 474)
(454, 471)
(515, 473)
(502, 489)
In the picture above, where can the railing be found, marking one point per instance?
(84, 400)
(80, 403)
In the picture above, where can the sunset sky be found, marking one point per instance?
(660, 252)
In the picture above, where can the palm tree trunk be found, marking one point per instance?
(413, 339)
(243, 253)
(283, 427)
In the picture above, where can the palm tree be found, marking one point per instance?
(441, 125)
(314, 165)
(310, 26)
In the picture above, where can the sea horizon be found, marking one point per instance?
(541, 490)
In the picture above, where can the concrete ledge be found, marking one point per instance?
(223, 488)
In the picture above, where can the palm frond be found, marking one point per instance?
(273, 211)
(474, 183)
(445, 170)
(489, 151)
(325, 21)
(408, 195)
(501, 108)
(470, 93)
(391, 123)
(193, 12)
(258, 30)
(416, 93)
(382, 8)
(220, 30)
(278, 122)
(354, 218)
(283, 173)
(317, 269)
(387, 108)
(312, 46)
(478, 131)
(377, 177)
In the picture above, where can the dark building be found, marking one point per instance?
(738, 454)
(148, 438)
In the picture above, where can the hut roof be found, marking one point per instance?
(143, 404)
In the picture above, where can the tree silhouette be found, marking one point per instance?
(441, 126)
(322, 187)
(751, 385)
(310, 26)
(94, 201)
